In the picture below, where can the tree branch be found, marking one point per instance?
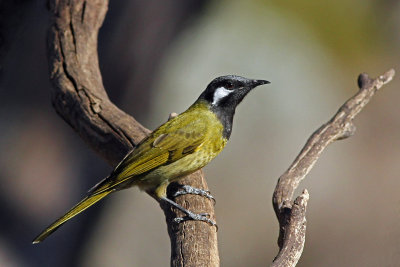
(294, 218)
(79, 97)
(291, 217)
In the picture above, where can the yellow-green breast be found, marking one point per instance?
(198, 125)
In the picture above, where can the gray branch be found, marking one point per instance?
(79, 97)
(291, 215)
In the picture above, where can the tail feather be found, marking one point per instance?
(78, 208)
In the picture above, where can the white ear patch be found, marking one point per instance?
(220, 93)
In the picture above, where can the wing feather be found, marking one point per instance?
(170, 142)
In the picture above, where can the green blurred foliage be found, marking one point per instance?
(350, 30)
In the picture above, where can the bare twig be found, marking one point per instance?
(291, 217)
(295, 231)
(79, 97)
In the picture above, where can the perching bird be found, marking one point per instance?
(177, 148)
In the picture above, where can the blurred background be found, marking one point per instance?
(156, 58)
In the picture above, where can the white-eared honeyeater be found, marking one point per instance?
(177, 148)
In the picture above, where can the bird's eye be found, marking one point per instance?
(229, 85)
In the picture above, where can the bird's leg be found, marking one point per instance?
(189, 215)
(187, 189)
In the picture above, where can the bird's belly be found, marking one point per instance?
(182, 167)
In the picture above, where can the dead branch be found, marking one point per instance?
(291, 215)
(79, 97)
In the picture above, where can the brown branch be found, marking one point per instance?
(294, 217)
(291, 217)
(79, 97)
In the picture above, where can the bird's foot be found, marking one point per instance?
(187, 189)
(190, 216)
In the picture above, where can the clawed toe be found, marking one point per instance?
(204, 217)
(186, 189)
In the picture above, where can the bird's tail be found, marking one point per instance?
(78, 208)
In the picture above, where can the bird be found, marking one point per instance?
(180, 146)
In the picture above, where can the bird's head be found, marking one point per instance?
(228, 91)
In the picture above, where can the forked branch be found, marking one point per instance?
(291, 215)
(79, 97)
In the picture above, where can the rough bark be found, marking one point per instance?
(79, 97)
(291, 215)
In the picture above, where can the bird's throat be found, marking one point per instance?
(225, 116)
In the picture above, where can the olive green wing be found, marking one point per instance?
(171, 141)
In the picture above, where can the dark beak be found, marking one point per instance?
(255, 83)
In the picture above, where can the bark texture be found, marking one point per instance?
(291, 215)
(79, 97)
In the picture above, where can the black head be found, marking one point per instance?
(228, 91)
(223, 95)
